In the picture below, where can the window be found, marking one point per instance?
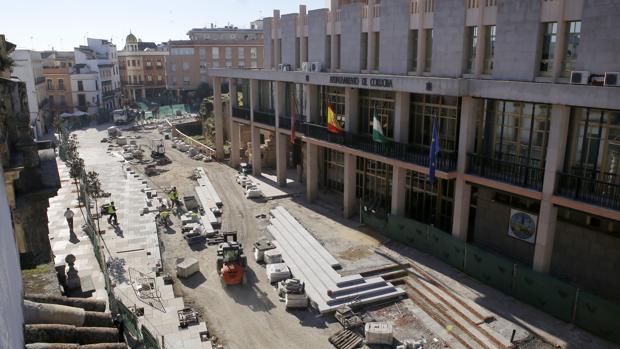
(489, 49)
(297, 64)
(158, 77)
(182, 51)
(185, 66)
(265, 96)
(445, 109)
(413, 51)
(573, 36)
(80, 85)
(549, 40)
(337, 51)
(81, 100)
(97, 85)
(149, 64)
(240, 53)
(253, 53)
(373, 183)
(216, 64)
(472, 45)
(254, 64)
(428, 59)
(304, 42)
(61, 84)
(364, 51)
(158, 64)
(149, 78)
(228, 64)
(377, 50)
(63, 100)
(202, 52)
(215, 53)
(383, 103)
(333, 96)
(185, 81)
(49, 84)
(228, 52)
(429, 203)
(333, 171)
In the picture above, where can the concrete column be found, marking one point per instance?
(219, 118)
(401, 117)
(351, 109)
(421, 41)
(560, 47)
(349, 200)
(143, 92)
(302, 47)
(370, 58)
(232, 88)
(276, 43)
(312, 172)
(311, 107)
(256, 153)
(281, 139)
(235, 147)
(399, 176)
(556, 149)
(470, 107)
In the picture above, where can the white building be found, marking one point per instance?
(100, 56)
(29, 68)
(85, 88)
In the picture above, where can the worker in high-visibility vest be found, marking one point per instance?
(112, 213)
(174, 197)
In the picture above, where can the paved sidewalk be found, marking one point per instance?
(134, 245)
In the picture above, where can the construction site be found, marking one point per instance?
(235, 261)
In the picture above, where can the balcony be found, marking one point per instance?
(285, 123)
(266, 118)
(511, 170)
(590, 190)
(411, 153)
(241, 113)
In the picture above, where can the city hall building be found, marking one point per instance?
(524, 95)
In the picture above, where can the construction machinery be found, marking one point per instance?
(231, 262)
(158, 152)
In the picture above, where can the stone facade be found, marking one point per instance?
(31, 176)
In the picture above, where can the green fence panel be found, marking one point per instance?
(409, 232)
(543, 292)
(374, 222)
(447, 248)
(598, 316)
(149, 340)
(130, 321)
(489, 268)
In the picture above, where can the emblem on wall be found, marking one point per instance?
(522, 226)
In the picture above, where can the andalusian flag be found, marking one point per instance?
(332, 124)
(377, 129)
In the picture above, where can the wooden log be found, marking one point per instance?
(52, 333)
(88, 304)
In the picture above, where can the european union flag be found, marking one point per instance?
(432, 157)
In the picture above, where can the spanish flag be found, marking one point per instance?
(332, 124)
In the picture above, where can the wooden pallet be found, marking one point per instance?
(346, 339)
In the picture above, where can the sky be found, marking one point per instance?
(65, 24)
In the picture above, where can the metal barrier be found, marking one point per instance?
(510, 171)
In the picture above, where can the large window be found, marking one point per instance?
(265, 96)
(328, 51)
(333, 175)
(514, 131)
(292, 90)
(377, 49)
(334, 96)
(573, 37)
(445, 110)
(472, 45)
(383, 103)
(374, 183)
(338, 43)
(428, 57)
(549, 40)
(215, 53)
(489, 49)
(429, 203)
(594, 146)
(228, 52)
(413, 51)
(182, 51)
(61, 84)
(241, 53)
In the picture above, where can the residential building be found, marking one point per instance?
(101, 56)
(85, 88)
(143, 69)
(57, 73)
(528, 132)
(29, 69)
(211, 48)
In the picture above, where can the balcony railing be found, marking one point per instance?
(589, 190)
(285, 123)
(241, 113)
(513, 172)
(412, 153)
(266, 118)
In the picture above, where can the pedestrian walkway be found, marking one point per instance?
(133, 247)
(79, 245)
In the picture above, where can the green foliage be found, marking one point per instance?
(76, 167)
(93, 185)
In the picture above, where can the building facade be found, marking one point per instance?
(211, 48)
(142, 70)
(101, 56)
(528, 124)
(57, 73)
(29, 69)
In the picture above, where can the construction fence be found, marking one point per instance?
(558, 298)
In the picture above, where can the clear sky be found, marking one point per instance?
(65, 24)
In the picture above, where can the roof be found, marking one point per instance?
(143, 45)
(131, 39)
(172, 43)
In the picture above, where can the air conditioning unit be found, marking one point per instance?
(611, 79)
(280, 67)
(286, 67)
(579, 77)
(305, 66)
(316, 67)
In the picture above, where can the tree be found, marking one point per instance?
(76, 169)
(93, 188)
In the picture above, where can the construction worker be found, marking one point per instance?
(112, 213)
(174, 197)
(164, 216)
